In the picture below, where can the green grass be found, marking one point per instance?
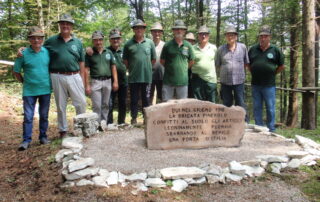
(291, 132)
(311, 185)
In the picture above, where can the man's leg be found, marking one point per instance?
(106, 91)
(134, 98)
(29, 103)
(111, 105)
(239, 98)
(210, 91)
(257, 105)
(226, 95)
(182, 92)
(122, 98)
(167, 92)
(96, 97)
(151, 89)
(77, 93)
(269, 96)
(44, 105)
(196, 85)
(159, 89)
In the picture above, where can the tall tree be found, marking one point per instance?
(138, 7)
(308, 77)
(218, 23)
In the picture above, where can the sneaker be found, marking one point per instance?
(23, 146)
(133, 121)
(63, 134)
(44, 140)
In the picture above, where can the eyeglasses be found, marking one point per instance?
(36, 38)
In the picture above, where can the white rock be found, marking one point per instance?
(113, 178)
(66, 163)
(276, 167)
(104, 173)
(249, 130)
(233, 177)
(80, 173)
(80, 164)
(237, 168)
(155, 173)
(140, 187)
(112, 126)
(84, 182)
(179, 185)
(250, 126)
(307, 159)
(121, 177)
(154, 182)
(124, 184)
(213, 179)
(253, 171)
(311, 163)
(264, 133)
(181, 172)
(297, 154)
(260, 129)
(214, 170)
(200, 180)
(137, 177)
(62, 153)
(306, 142)
(294, 163)
(67, 184)
(72, 143)
(290, 140)
(273, 158)
(100, 181)
(264, 164)
(277, 135)
(314, 152)
(284, 165)
(252, 163)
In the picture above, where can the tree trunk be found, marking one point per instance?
(218, 23)
(238, 15)
(138, 7)
(308, 77)
(292, 115)
(245, 22)
(40, 12)
(316, 49)
(201, 9)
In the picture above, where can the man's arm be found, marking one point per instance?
(279, 69)
(191, 62)
(87, 81)
(18, 76)
(115, 85)
(82, 73)
(125, 62)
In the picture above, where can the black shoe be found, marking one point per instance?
(63, 134)
(100, 129)
(44, 140)
(23, 146)
(133, 121)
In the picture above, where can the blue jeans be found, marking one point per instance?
(265, 94)
(234, 93)
(29, 103)
(135, 90)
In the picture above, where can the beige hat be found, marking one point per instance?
(265, 30)
(231, 29)
(114, 33)
(179, 24)
(66, 18)
(190, 36)
(97, 35)
(138, 23)
(35, 31)
(203, 29)
(157, 26)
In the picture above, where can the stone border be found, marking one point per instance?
(78, 171)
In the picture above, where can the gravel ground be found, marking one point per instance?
(126, 151)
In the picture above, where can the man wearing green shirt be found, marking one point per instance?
(176, 57)
(139, 55)
(101, 65)
(36, 85)
(204, 78)
(266, 60)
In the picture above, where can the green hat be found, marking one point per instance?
(114, 33)
(138, 23)
(231, 29)
(156, 26)
(66, 18)
(203, 29)
(179, 24)
(265, 30)
(190, 36)
(35, 31)
(97, 35)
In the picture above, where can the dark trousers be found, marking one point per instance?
(234, 95)
(203, 90)
(29, 103)
(137, 90)
(121, 94)
(156, 84)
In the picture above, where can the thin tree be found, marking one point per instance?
(218, 23)
(138, 7)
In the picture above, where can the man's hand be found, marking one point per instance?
(20, 51)
(88, 90)
(89, 51)
(115, 86)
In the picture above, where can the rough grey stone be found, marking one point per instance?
(100, 181)
(140, 187)
(314, 152)
(84, 182)
(213, 179)
(296, 154)
(87, 122)
(294, 163)
(307, 159)
(137, 177)
(181, 172)
(284, 165)
(251, 163)
(260, 129)
(311, 163)
(214, 170)
(273, 158)
(121, 177)
(80, 164)
(62, 153)
(191, 181)
(112, 127)
(250, 126)
(264, 164)
(67, 184)
(233, 177)
(155, 182)
(275, 167)
(306, 142)
(237, 168)
(80, 174)
(113, 178)
(72, 143)
(253, 171)
(104, 173)
(179, 185)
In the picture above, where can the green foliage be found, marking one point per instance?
(169, 183)
(311, 186)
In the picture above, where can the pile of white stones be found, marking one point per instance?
(78, 171)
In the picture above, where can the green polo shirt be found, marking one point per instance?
(263, 64)
(35, 67)
(176, 62)
(65, 56)
(204, 65)
(139, 57)
(121, 68)
(100, 64)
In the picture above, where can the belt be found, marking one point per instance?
(101, 78)
(65, 73)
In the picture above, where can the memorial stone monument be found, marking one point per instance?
(191, 123)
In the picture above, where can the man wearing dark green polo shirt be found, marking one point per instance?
(139, 55)
(176, 57)
(266, 60)
(101, 65)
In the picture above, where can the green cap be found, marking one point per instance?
(265, 30)
(66, 18)
(231, 29)
(138, 23)
(35, 31)
(179, 24)
(97, 35)
(190, 36)
(203, 29)
(114, 33)
(156, 26)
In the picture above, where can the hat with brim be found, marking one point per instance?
(265, 30)
(35, 31)
(115, 33)
(203, 29)
(231, 30)
(179, 24)
(66, 18)
(156, 26)
(190, 36)
(138, 23)
(97, 35)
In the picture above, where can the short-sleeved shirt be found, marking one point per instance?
(158, 69)
(65, 56)
(176, 62)
(139, 57)
(231, 64)
(35, 67)
(263, 64)
(121, 68)
(100, 64)
(204, 65)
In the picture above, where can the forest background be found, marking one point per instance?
(294, 26)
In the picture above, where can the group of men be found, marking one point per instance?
(176, 69)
